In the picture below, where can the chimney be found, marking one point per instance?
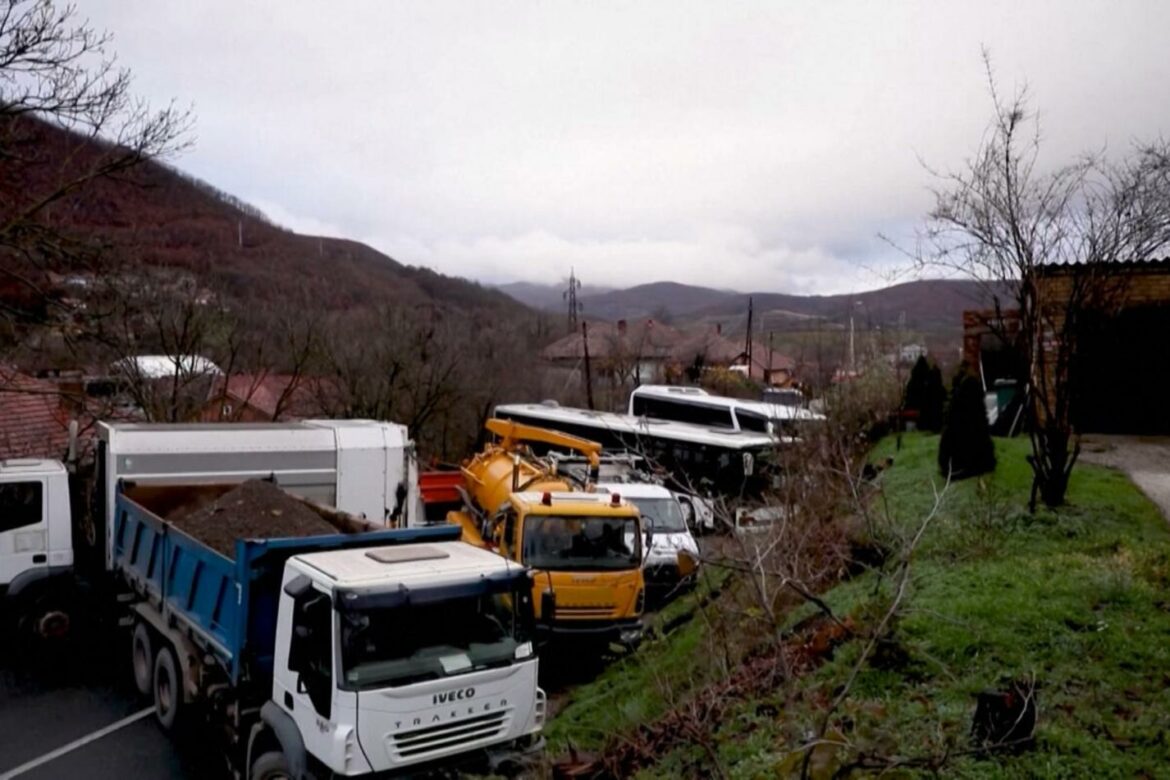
(70, 392)
(622, 327)
(718, 328)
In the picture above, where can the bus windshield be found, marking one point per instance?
(566, 543)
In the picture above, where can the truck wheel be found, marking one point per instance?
(168, 689)
(141, 655)
(43, 625)
(270, 766)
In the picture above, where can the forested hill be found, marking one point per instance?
(157, 216)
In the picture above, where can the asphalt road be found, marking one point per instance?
(50, 703)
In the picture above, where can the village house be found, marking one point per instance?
(265, 397)
(1119, 379)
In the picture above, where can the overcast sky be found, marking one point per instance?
(737, 145)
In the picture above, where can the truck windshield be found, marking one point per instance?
(562, 543)
(396, 646)
(661, 515)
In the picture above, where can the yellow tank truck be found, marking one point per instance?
(584, 547)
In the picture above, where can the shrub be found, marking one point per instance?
(926, 394)
(966, 449)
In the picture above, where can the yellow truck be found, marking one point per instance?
(585, 548)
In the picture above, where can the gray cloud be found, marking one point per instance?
(740, 145)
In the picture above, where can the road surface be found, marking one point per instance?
(81, 717)
(1146, 459)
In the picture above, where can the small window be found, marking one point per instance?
(21, 504)
(750, 421)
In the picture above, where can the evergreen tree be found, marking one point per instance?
(916, 386)
(965, 448)
(926, 394)
(934, 401)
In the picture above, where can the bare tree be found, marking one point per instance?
(1047, 245)
(67, 118)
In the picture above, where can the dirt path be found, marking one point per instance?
(1146, 459)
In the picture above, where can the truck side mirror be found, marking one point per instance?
(548, 606)
(298, 586)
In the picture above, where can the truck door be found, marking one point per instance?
(23, 528)
(303, 679)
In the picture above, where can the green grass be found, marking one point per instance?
(1076, 599)
(642, 686)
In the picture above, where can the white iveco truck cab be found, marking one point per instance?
(404, 656)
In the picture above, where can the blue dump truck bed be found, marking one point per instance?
(229, 606)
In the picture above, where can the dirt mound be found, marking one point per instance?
(254, 510)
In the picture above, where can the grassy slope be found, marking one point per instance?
(1078, 599)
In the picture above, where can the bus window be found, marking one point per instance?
(682, 411)
(751, 421)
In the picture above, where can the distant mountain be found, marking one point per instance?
(929, 305)
(549, 297)
(662, 300)
(932, 305)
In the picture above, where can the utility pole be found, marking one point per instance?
(770, 333)
(588, 372)
(570, 295)
(748, 348)
(852, 352)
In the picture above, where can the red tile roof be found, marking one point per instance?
(32, 421)
(264, 393)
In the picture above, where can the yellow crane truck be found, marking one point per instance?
(584, 547)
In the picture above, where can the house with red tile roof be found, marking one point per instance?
(34, 423)
(266, 397)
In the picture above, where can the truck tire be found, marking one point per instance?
(270, 766)
(168, 689)
(142, 659)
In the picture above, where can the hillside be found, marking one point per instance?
(1066, 609)
(160, 217)
(932, 305)
(549, 297)
(678, 301)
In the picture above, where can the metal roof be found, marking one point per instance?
(356, 567)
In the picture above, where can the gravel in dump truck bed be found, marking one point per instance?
(254, 510)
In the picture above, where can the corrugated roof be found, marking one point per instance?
(1153, 265)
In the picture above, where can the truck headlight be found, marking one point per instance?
(539, 709)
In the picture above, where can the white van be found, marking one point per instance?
(664, 516)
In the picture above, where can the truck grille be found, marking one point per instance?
(418, 743)
(585, 611)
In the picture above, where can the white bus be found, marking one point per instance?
(697, 458)
(697, 406)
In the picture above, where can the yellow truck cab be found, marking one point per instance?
(586, 548)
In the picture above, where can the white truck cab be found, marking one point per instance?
(391, 657)
(35, 526)
(663, 514)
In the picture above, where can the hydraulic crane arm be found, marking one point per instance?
(513, 432)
